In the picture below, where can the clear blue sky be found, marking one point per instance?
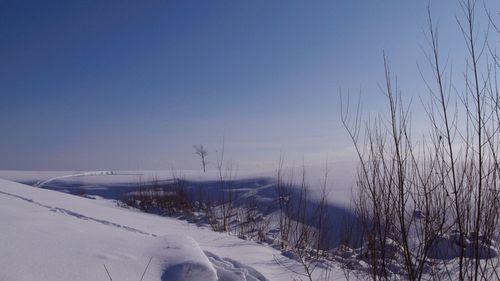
(134, 84)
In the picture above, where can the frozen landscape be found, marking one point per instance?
(49, 235)
(55, 222)
(249, 140)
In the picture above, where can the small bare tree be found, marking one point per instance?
(202, 152)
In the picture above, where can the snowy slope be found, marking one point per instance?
(47, 235)
(118, 185)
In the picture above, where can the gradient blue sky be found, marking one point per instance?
(133, 84)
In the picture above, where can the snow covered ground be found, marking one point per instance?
(340, 178)
(49, 235)
(244, 185)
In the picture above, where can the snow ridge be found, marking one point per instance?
(231, 270)
(78, 215)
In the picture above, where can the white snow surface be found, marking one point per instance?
(49, 235)
(339, 183)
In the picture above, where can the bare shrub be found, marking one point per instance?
(440, 192)
(168, 198)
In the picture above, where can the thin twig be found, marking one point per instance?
(108, 272)
(146, 269)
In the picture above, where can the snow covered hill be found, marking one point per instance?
(48, 235)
